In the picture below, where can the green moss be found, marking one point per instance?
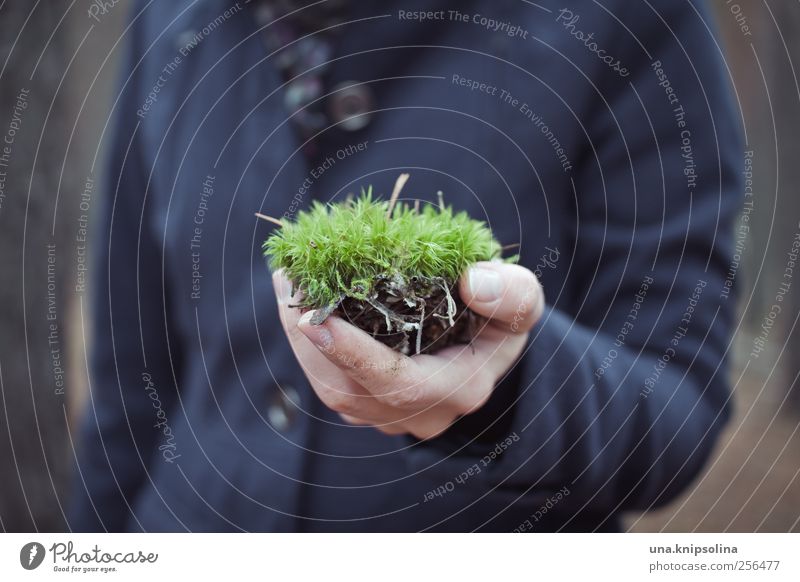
(340, 250)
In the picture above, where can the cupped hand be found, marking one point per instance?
(370, 384)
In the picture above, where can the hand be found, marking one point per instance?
(370, 384)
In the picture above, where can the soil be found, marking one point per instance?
(413, 316)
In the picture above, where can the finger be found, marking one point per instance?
(426, 427)
(324, 367)
(373, 413)
(388, 375)
(422, 425)
(391, 429)
(481, 364)
(336, 390)
(431, 429)
(468, 373)
(283, 295)
(306, 354)
(509, 295)
(354, 420)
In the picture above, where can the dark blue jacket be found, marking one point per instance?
(613, 159)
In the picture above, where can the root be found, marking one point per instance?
(414, 316)
(451, 304)
(382, 310)
(391, 317)
(419, 329)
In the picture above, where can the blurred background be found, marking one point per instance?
(58, 63)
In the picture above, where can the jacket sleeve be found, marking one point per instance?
(132, 387)
(622, 390)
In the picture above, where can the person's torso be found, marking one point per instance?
(483, 115)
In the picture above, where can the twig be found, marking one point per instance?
(511, 246)
(398, 185)
(320, 315)
(416, 206)
(419, 330)
(440, 196)
(269, 219)
(383, 311)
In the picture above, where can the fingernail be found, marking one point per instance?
(318, 334)
(485, 284)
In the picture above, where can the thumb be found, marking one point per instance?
(509, 295)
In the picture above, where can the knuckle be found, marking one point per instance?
(479, 393)
(530, 278)
(293, 332)
(538, 308)
(529, 303)
(531, 293)
(421, 434)
(391, 429)
(355, 421)
(479, 399)
(402, 397)
(431, 430)
(338, 401)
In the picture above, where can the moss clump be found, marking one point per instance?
(390, 269)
